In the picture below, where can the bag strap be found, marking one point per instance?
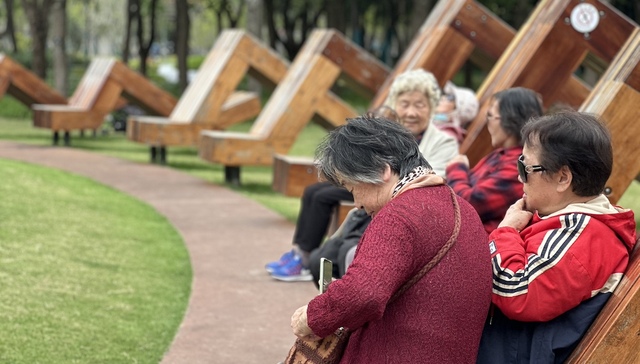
(443, 250)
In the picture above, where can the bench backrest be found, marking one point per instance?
(91, 83)
(613, 336)
(615, 98)
(234, 54)
(24, 85)
(544, 55)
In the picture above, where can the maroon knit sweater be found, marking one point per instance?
(440, 318)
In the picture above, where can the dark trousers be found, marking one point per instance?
(318, 201)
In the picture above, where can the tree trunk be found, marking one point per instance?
(59, 34)
(145, 46)
(336, 15)
(182, 41)
(254, 26)
(271, 25)
(10, 28)
(131, 13)
(37, 12)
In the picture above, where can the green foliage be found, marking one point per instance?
(89, 274)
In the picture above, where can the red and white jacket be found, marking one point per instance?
(560, 260)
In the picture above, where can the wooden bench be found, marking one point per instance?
(456, 31)
(614, 336)
(304, 94)
(543, 56)
(24, 85)
(616, 97)
(209, 102)
(292, 174)
(97, 94)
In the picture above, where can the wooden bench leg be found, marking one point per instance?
(67, 138)
(158, 154)
(162, 154)
(153, 153)
(56, 137)
(232, 175)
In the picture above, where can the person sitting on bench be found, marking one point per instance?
(492, 185)
(413, 97)
(561, 249)
(458, 106)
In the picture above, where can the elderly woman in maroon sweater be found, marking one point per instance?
(439, 319)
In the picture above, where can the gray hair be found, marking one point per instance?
(415, 80)
(359, 151)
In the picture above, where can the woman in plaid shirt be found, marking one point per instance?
(492, 185)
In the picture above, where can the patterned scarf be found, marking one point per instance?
(420, 176)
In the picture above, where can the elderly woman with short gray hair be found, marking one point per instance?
(419, 287)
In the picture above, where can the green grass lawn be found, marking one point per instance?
(89, 275)
(256, 181)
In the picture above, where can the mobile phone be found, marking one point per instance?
(326, 274)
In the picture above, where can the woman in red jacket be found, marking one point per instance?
(561, 249)
(439, 318)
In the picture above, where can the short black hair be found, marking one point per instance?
(360, 150)
(577, 140)
(517, 105)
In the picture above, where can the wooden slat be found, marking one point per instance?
(613, 337)
(365, 70)
(160, 131)
(292, 174)
(24, 85)
(99, 92)
(140, 91)
(210, 98)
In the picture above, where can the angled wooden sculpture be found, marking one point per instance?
(25, 85)
(302, 95)
(97, 94)
(544, 55)
(453, 32)
(210, 101)
(616, 97)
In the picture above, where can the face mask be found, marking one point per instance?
(441, 117)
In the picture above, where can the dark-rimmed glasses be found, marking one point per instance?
(524, 170)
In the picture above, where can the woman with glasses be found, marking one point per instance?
(492, 185)
(561, 249)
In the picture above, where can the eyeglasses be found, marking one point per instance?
(524, 170)
(491, 116)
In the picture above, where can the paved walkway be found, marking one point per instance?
(236, 313)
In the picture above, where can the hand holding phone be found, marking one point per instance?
(326, 274)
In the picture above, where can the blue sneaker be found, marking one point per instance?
(293, 271)
(284, 259)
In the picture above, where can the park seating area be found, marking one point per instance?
(211, 101)
(543, 55)
(98, 93)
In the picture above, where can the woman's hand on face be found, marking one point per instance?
(516, 217)
(460, 158)
(299, 325)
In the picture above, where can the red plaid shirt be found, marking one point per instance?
(491, 186)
